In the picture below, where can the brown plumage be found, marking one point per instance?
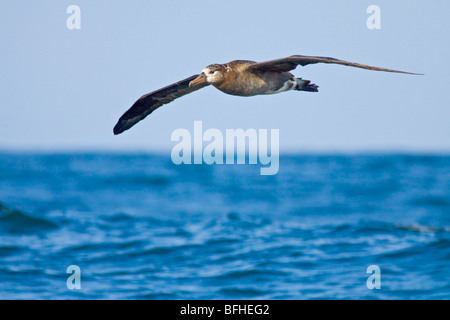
(239, 77)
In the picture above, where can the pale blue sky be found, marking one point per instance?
(65, 89)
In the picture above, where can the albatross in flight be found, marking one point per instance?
(240, 78)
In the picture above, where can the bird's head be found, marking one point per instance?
(213, 74)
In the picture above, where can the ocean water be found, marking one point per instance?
(140, 227)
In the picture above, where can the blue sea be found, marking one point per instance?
(140, 227)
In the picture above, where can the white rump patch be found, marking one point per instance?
(288, 85)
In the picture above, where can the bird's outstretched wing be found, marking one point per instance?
(153, 100)
(290, 63)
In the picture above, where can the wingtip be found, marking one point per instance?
(413, 73)
(118, 128)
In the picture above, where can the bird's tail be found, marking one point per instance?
(306, 85)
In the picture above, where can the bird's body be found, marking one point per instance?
(239, 82)
(240, 77)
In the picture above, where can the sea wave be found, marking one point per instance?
(140, 227)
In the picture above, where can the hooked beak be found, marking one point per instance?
(201, 79)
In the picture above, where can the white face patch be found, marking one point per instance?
(210, 76)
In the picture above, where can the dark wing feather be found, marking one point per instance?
(153, 100)
(290, 63)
